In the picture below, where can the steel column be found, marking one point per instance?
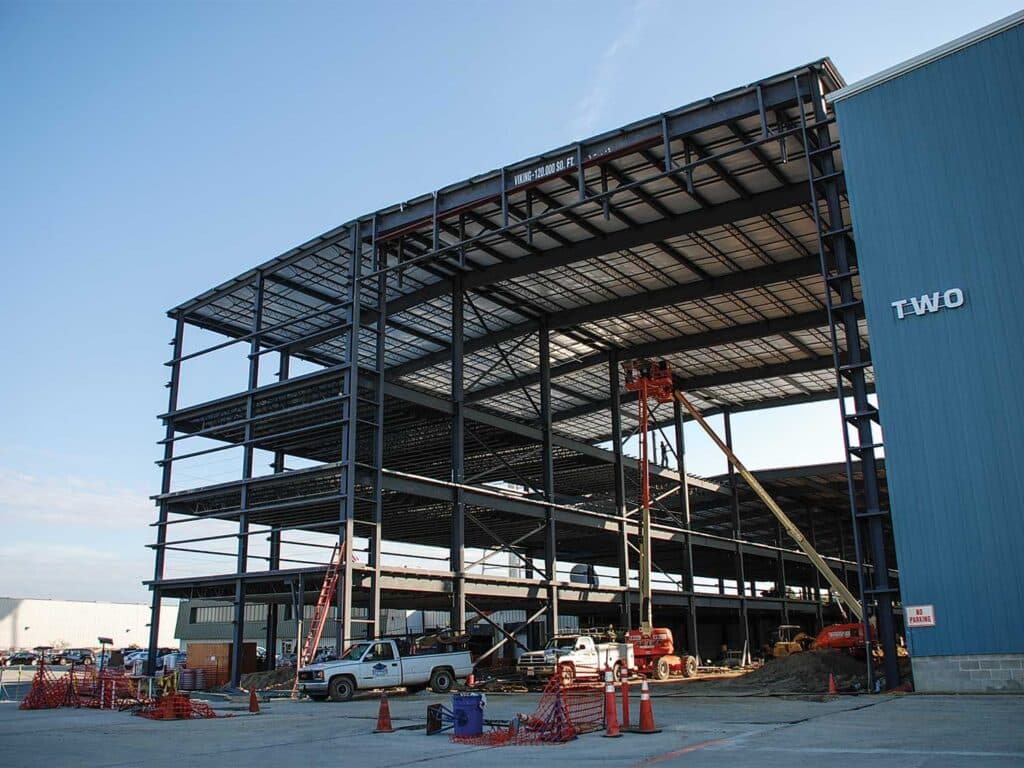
(684, 511)
(273, 608)
(242, 562)
(780, 575)
(274, 562)
(737, 534)
(165, 487)
(350, 438)
(377, 532)
(548, 473)
(842, 551)
(838, 263)
(457, 551)
(812, 513)
(622, 547)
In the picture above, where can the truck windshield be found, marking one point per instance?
(354, 652)
(561, 643)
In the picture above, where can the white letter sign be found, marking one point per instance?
(928, 303)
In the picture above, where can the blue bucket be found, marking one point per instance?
(468, 709)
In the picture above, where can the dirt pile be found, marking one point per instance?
(278, 679)
(806, 673)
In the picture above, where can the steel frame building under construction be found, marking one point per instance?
(461, 387)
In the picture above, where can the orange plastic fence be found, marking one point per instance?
(107, 689)
(177, 706)
(563, 713)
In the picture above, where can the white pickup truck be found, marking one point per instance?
(378, 664)
(576, 656)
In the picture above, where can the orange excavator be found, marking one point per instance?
(849, 638)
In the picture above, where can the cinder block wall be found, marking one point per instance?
(989, 673)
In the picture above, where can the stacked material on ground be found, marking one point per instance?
(806, 673)
(276, 679)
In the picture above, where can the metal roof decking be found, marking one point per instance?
(650, 261)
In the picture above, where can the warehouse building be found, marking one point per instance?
(438, 385)
(27, 623)
(934, 156)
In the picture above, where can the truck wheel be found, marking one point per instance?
(341, 689)
(567, 673)
(441, 680)
(689, 666)
(618, 675)
(662, 669)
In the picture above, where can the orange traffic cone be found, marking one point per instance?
(646, 713)
(254, 705)
(611, 718)
(470, 681)
(384, 716)
(832, 689)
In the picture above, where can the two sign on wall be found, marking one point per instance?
(951, 298)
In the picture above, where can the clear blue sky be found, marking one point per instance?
(151, 150)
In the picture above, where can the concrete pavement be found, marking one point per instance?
(880, 731)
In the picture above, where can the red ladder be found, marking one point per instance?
(316, 626)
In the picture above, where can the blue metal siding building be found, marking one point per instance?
(934, 157)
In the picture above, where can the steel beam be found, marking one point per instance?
(592, 248)
(718, 379)
(674, 345)
(625, 305)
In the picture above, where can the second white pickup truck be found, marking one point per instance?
(379, 664)
(578, 656)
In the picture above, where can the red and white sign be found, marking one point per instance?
(920, 616)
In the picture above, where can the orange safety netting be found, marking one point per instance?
(563, 713)
(105, 689)
(177, 706)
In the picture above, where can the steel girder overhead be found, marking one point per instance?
(464, 350)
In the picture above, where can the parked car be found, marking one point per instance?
(47, 653)
(75, 657)
(22, 658)
(130, 657)
(171, 660)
